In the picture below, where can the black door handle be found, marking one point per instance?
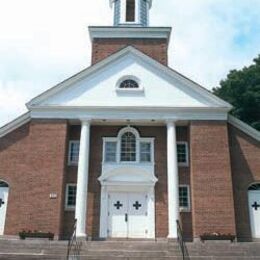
(126, 217)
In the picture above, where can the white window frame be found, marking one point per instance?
(68, 207)
(182, 164)
(72, 163)
(118, 146)
(129, 77)
(186, 209)
(150, 141)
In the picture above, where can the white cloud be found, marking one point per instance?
(45, 41)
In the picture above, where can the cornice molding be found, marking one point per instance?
(130, 32)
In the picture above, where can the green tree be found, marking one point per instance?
(241, 88)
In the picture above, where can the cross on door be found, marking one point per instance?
(255, 206)
(137, 205)
(1, 203)
(118, 205)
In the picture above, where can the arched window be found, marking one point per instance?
(254, 187)
(130, 10)
(129, 84)
(3, 184)
(128, 147)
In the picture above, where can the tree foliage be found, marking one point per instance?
(241, 88)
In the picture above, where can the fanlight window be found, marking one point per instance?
(129, 84)
(254, 187)
(128, 147)
(3, 184)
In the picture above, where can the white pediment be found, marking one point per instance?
(96, 86)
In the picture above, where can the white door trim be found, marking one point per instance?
(254, 196)
(4, 192)
(147, 189)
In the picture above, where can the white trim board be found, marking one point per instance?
(218, 103)
(244, 127)
(16, 123)
(130, 32)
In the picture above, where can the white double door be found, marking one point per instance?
(127, 215)
(254, 211)
(3, 206)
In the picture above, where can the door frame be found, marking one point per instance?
(250, 211)
(6, 203)
(110, 188)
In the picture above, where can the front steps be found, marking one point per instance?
(128, 250)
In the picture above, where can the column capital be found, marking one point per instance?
(85, 121)
(171, 122)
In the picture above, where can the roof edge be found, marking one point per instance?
(129, 49)
(14, 124)
(244, 127)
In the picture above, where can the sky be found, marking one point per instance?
(43, 42)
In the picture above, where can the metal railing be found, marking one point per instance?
(74, 246)
(184, 251)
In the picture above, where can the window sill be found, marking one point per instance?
(183, 165)
(73, 164)
(69, 208)
(185, 210)
(130, 90)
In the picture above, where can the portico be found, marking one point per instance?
(128, 178)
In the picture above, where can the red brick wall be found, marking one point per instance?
(211, 181)
(155, 48)
(184, 179)
(32, 162)
(245, 163)
(97, 132)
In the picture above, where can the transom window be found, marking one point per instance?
(73, 152)
(71, 191)
(129, 84)
(182, 153)
(130, 10)
(184, 198)
(128, 146)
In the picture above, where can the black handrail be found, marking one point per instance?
(74, 246)
(184, 251)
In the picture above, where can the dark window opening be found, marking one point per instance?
(129, 84)
(130, 10)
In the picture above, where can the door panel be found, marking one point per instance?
(137, 215)
(128, 215)
(3, 206)
(254, 210)
(118, 207)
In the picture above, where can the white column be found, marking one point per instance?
(82, 182)
(172, 180)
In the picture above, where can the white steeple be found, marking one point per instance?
(131, 12)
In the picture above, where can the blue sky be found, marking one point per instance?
(42, 42)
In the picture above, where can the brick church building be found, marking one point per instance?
(128, 146)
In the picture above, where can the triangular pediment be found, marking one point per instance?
(159, 86)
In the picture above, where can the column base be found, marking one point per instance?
(82, 237)
(172, 237)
